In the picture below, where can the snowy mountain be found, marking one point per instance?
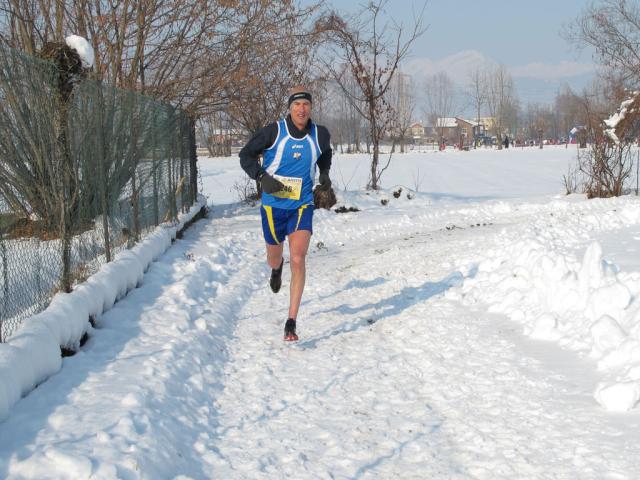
(534, 82)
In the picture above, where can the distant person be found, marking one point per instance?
(506, 141)
(291, 148)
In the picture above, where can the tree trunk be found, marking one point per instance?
(193, 161)
(104, 201)
(373, 184)
(67, 189)
(135, 207)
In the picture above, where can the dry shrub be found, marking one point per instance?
(607, 166)
(324, 198)
(247, 191)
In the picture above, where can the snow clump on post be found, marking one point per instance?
(84, 49)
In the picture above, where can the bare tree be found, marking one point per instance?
(189, 52)
(607, 166)
(372, 50)
(137, 44)
(440, 100)
(403, 107)
(612, 28)
(565, 106)
(537, 119)
(541, 125)
(500, 99)
(217, 131)
(477, 91)
(608, 163)
(353, 122)
(200, 55)
(341, 117)
(281, 55)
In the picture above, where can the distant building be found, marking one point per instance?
(465, 131)
(489, 124)
(456, 131)
(416, 132)
(234, 136)
(443, 130)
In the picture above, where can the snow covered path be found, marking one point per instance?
(392, 380)
(396, 375)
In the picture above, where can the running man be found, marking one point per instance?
(291, 149)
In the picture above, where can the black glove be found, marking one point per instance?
(324, 180)
(269, 184)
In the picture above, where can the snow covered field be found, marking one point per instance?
(487, 327)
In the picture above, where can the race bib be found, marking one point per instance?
(292, 187)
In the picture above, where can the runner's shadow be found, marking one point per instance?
(357, 283)
(434, 436)
(371, 313)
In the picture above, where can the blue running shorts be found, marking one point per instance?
(277, 223)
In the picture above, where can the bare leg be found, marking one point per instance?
(298, 246)
(274, 255)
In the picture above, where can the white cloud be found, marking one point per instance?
(457, 66)
(461, 64)
(547, 71)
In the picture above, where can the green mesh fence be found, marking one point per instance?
(81, 178)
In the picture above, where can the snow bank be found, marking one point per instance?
(33, 353)
(585, 304)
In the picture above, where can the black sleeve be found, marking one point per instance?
(324, 140)
(250, 153)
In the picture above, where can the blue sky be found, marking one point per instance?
(512, 32)
(523, 35)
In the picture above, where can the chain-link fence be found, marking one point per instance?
(83, 174)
